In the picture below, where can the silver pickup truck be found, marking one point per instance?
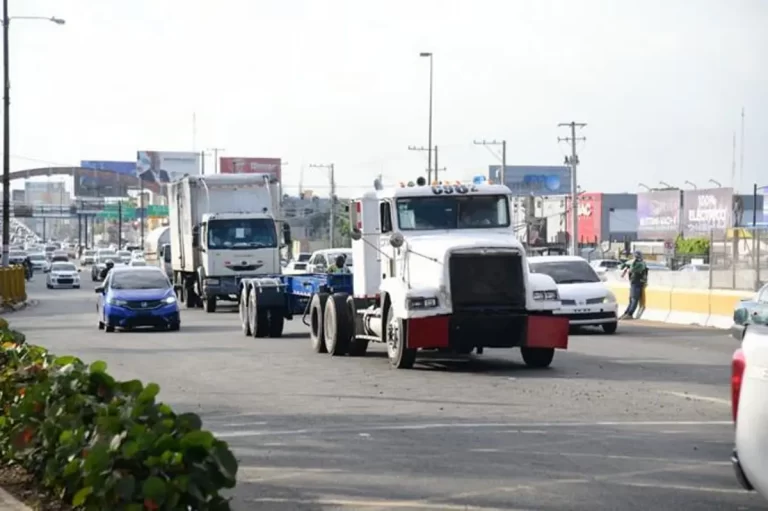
(749, 396)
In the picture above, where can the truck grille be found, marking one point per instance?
(482, 281)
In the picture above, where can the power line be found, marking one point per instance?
(573, 161)
(334, 199)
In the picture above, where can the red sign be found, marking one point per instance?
(230, 165)
(590, 217)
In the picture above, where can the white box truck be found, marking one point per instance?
(223, 228)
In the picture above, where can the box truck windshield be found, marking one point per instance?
(245, 233)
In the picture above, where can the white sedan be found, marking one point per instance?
(62, 275)
(585, 299)
(749, 385)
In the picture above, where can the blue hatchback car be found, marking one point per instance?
(137, 296)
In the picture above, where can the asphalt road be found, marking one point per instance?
(635, 421)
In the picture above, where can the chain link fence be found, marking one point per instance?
(738, 259)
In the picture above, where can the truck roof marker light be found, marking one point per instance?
(402, 185)
(410, 184)
(421, 181)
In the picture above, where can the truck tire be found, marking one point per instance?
(394, 330)
(537, 358)
(276, 322)
(257, 316)
(357, 347)
(337, 325)
(316, 319)
(210, 304)
(245, 324)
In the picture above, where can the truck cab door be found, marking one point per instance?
(388, 266)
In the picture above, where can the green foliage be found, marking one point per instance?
(692, 246)
(102, 443)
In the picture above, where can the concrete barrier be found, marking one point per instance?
(705, 307)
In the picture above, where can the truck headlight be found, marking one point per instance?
(422, 303)
(609, 298)
(546, 296)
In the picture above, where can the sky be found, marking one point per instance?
(660, 84)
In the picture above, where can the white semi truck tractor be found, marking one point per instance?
(438, 268)
(223, 228)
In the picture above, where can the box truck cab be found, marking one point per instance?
(223, 229)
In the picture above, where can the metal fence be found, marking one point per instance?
(738, 259)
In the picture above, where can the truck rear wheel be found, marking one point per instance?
(538, 358)
(337, 325)
(257, 317)
(210, 304)
(276, 322)
(316, 319)
(357, 347)
(243, 309)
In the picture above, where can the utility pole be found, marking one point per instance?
(503, 144)
(120, 225)
(429, 151)
(215, 151)
(332, 179)
(436, 165)
(573, 161)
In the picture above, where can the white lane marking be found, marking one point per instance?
(679, 487)
(415, 427)
(696, 397)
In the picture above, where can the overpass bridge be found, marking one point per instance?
(111, 179)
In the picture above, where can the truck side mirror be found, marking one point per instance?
(196, 236)
(353, 209)
(286, 234)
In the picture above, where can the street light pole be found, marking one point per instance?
(429, 141)
(7, 126)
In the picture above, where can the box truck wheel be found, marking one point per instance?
(189, 298)
(337, 325)
(316, 318)
(210, 304)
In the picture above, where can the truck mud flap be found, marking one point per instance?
(546, 331)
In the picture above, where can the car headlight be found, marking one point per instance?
(169, 299)
(546, 296)
(609, 298)
(417, 302)
(119, 303)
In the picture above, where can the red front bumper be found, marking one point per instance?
(462, 331)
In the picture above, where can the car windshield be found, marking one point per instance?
(139, 280)
(303, 258)
(67, 267)
(89, 252)
(566, 272)
(103, 257)
(452, 212)
(241, 234)
(17, 255)
(37, 257)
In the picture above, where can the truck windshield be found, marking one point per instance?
(452, 212)
(241, 234)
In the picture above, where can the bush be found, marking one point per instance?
(103, 444)
(692, 246)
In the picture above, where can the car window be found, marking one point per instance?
(139, 280)
(68, 267)
(320, 261)
(566, 272)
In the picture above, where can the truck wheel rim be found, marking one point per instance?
(393, 338)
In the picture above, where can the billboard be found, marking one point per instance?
(533, 180)
(230, 165)
(127, 168)
(705, 211)
(92, 182)
(658, 215)
(590, 217)
(46, 192)
(164, 167)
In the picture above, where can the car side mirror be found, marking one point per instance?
(98, 290)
